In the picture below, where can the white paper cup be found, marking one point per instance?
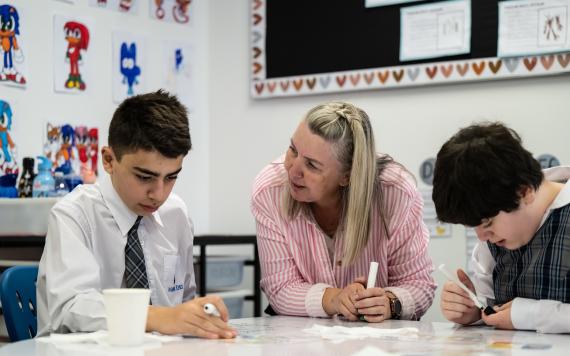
(126, 311)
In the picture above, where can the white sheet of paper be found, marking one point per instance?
(339, 333)
(373, 351)
(435, 30)
(533, 27)
(376, 3)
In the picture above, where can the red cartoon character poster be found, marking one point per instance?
(71, 51)
(177, 11)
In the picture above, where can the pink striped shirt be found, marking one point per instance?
(296, 268)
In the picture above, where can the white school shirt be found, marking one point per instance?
(546, 316)
(85, 253)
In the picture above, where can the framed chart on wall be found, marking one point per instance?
(303, 47)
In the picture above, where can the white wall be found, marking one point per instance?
(410, 124)
(38, 103)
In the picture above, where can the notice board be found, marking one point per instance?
(301, 47)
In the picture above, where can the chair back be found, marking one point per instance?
(18, 297)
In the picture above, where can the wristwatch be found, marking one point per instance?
(395, 306)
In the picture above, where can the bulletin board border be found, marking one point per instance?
(442, 72)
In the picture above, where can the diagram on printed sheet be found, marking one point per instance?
(533, 27)
(552, 25)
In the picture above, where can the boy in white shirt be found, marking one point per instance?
(128, 231)
(485, 179)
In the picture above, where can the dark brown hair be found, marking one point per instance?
(152, 121)
(481, 171)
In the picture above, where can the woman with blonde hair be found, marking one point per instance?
(327, 210)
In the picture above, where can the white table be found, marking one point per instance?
(275, 336)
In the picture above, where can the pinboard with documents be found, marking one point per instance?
(310, 47)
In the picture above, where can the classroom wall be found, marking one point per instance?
(410, 124)
(38, 103)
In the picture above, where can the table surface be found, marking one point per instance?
(274, 336)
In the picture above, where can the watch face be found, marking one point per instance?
(397, 306)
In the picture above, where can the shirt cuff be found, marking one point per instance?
(314, 300)
(407, 301)
(524, 313)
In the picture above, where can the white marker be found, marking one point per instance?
(453, 279)
(211, 309)
(372, 275)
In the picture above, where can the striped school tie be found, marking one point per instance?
(135, 269)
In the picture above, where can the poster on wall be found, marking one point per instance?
(178, 79)
(124, 6)
(177, 11)
(435, 30)
(73, 149)
(533, 27)
(436, 228)
(72, 65)
(13, 23)
(128, 65)
(377, 3)
(8, 152)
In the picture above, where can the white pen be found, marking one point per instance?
(372, 275)
(487, 309)
(211, 309)
(371, 280)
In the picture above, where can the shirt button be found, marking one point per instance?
(339, 263)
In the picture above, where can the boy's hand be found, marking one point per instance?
(502, 318)
(189, 318)
(339, 301)
(456, 305)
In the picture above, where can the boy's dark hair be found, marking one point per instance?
(479, 172)
(152, 121)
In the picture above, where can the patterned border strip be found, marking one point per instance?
(390, 77)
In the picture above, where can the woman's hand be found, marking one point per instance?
(373, 304)
(340, 301)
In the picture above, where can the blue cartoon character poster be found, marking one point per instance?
(13, 66)
(178, 79)
(8, 159)
(128, 65)
(71, 56)
(177, 11)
